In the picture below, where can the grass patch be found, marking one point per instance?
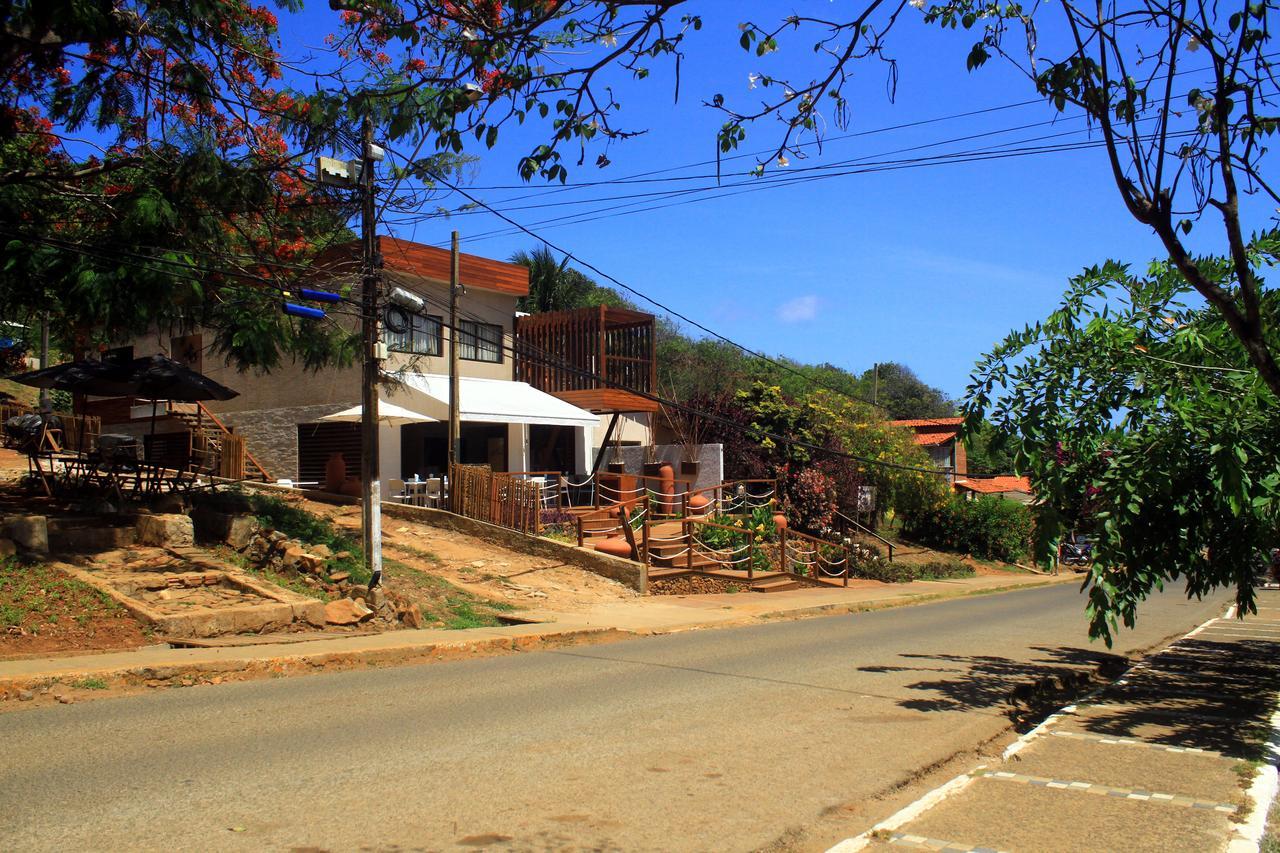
(443, 603)
(91, 683)
(307, 527)
(33, 594)
(420, 553)
(293, 583)
(943, 570)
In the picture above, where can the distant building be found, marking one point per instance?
(1012, 488)
(941, 438)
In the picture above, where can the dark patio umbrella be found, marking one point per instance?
(155, 377)
(98, 378)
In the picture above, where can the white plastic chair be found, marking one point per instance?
(395, 490)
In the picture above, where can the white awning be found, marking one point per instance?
(489, 401)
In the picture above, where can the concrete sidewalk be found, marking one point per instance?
(162, 665)
(1178, 755)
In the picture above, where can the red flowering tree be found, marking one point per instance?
(147, 181)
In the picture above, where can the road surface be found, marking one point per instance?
(733, 739)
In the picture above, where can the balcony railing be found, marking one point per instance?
(600, 358)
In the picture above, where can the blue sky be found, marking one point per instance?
(926, 266)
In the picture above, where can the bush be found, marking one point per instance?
(876, 568)
(943, 569)
(811, 500)
(989, 527)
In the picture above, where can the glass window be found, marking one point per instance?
(479, 341)
(420, 334)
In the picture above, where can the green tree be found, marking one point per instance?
(1140, 418)
(902, 394)
(553, 285)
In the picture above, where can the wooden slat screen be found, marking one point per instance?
(485, 495)
(567, 350)
(231, 461)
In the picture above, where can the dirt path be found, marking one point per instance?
(483, 568)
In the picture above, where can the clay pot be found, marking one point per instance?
(615, 546)
(351, 487)
(667, 486)
(698, 504)
(335, 473)
(779, 521)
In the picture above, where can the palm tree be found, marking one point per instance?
(553, 286)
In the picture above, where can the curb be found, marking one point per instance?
(241, 664)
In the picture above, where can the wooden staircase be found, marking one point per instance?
(211, 441)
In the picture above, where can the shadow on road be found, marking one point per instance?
(1025, 690)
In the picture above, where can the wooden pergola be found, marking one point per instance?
(600, 359)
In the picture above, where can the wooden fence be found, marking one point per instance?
(477, 492)
(231, 457)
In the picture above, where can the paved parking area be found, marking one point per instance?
(1162, 760)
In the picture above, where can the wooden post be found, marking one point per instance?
(751, 554)
(782, 548)
(688, 536)
(846, 566)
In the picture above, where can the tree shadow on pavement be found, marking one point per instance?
(1023, 689)
(1203, 694)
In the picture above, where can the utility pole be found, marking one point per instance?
(455, 427)
(370, 285)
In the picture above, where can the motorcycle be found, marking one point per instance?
(1076, 551)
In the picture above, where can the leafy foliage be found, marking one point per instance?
(1140, 419)
(989, 527)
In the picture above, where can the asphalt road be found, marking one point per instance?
(731, 739)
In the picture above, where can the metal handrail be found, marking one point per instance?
(868, 531)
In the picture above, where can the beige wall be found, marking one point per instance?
(496, 308)
(293, 386)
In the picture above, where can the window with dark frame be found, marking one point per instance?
(419, 334)
(479, 341)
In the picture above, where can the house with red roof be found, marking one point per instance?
(1011, 488)
(941, 438)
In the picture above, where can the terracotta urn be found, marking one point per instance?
(352, 487)
(698, 504)
(615, 546)
(667, 487)
(779, 521)
(335, 473)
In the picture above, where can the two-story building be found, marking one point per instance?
(533, 390)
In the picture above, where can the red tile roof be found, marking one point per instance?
(932, 432)
(917, 423)
(934, 439)
(995, 485)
